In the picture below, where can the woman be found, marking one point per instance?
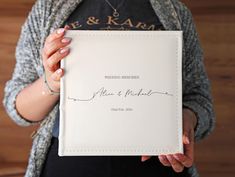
(42, 46)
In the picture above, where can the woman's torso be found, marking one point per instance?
(98, 15)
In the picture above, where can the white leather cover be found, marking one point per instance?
(121, 93)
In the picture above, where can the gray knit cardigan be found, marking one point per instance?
(48, 15)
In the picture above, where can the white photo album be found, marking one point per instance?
(121, 93)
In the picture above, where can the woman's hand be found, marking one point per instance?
(179, 161)
(54, 50)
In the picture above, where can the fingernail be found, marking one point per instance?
(67, 27)
(61, 30)
(177, 157)
(59, 71)
(66, 40)
(169, 157)
(64, 50)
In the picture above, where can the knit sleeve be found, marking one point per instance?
(196, 85)
(24, 73)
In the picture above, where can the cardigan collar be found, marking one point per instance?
(166, 12)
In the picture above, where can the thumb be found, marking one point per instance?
(186, 138)
(144, 158)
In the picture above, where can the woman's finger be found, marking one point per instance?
(176, 165)
(53, 61)
(188, 156)
(56, 76)
(59, 33)
(54, 46)
(67, 27)
(55, 35)
(144, 158)
(184, 160)
(189, 122)
(188, 140)
(164, 160)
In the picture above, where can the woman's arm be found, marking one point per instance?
(23, 98)
(196, 85)
(198, 114)
(24, 72)
(35, 101)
